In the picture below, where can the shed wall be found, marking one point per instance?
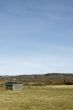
(10, 87)
(17, 86)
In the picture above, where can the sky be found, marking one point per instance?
(36, 36)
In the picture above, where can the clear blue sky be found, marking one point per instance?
(36, 36)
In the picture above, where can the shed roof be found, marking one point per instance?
(11, 83)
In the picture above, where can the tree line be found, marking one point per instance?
(42, 80)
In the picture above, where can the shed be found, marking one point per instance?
(13, 85)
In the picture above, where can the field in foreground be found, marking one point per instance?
(38, 98)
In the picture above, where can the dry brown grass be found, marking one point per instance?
(38, 98)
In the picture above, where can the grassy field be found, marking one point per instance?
(38, 98)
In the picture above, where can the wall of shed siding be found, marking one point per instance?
(9, 87)
(17, 86)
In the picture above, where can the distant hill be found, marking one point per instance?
(42, 79)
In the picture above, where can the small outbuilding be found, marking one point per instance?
(13, 85)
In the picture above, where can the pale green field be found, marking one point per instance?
(38, 98)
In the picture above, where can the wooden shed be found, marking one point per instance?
(14, 85)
